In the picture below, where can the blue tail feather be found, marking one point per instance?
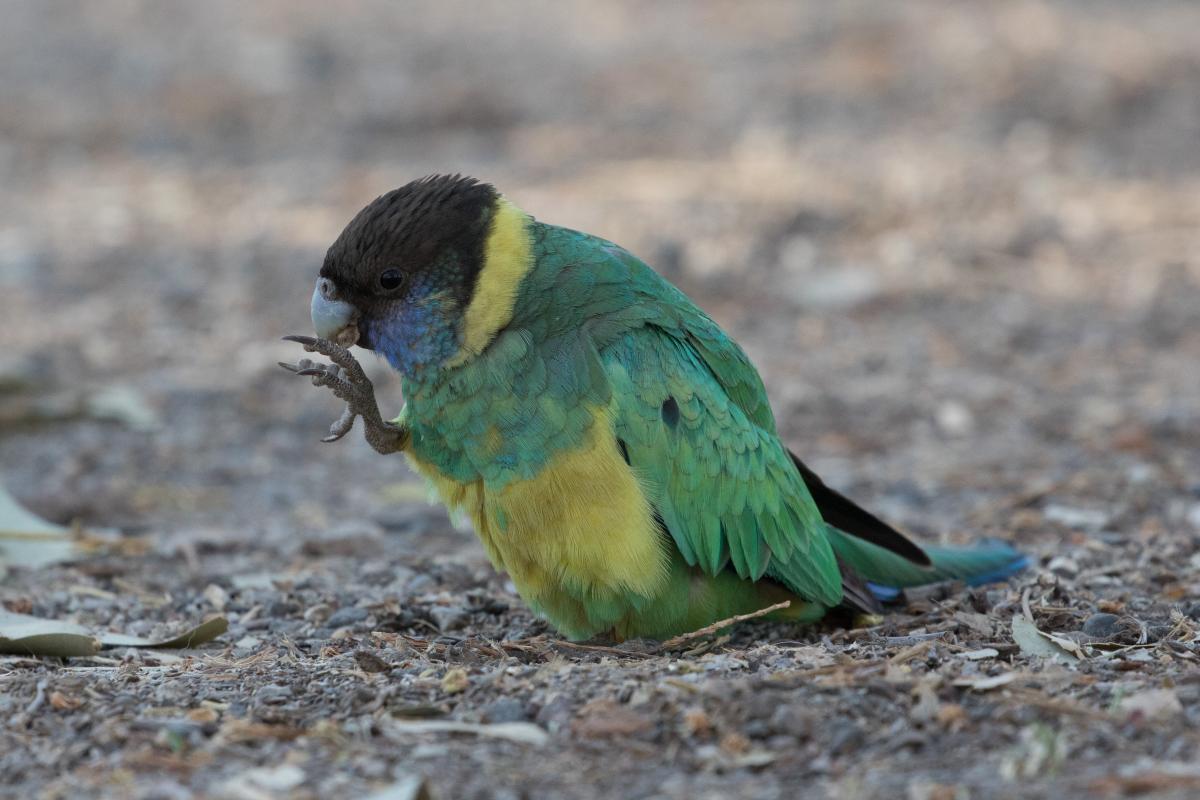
(887, 574)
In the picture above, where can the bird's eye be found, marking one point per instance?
(390, 279)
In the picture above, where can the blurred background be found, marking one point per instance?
(960, 240)
(945, 232)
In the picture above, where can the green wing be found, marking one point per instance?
(693, 419)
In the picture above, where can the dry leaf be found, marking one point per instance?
(986, 683)
(1034, 642)
(64, 702)
(25, 635)
(522, 732)
(981, 654)
(204, 632)
(29, 541)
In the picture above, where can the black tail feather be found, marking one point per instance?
(843, 514)
(856, 594)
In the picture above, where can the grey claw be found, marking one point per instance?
(334, 351)
(341, 426)
(310, 343)
(303, 367)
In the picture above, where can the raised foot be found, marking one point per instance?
(346, 378)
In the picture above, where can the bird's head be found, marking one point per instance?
(425, 275)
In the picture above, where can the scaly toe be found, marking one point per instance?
(341, 426)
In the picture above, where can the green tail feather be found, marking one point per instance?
(886, 572)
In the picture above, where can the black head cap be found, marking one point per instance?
(440, 221)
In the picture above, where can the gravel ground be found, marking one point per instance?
(961, 241)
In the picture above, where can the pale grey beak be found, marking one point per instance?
(332, 317)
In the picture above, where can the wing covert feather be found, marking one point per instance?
(725, 488)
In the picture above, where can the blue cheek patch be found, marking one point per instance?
(422, 334)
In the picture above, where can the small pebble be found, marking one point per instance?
(217, 597)
(556, 714)
(273, 694)
(1193, 516)
(1079, 518)
(344, 617)
(369, 662)
(1062, 565)
(1101, 626)
(506, 709)
(844, 737)
(318, 613)
(954, 418)
(448, 618)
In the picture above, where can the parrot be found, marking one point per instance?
(612, 447)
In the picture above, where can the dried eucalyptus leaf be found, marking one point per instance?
(31, 636)
(522, 732)
(985, 683)
(123, 404)
(28, 540)
(1034, 642)
(204, 632)
(24, 635)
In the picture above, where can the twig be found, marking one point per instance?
(675, 641)
(909, 653)
(1061, 705)
(599, 648)
(794, 680)
(541, 646)
(38, 699)
(911, 639)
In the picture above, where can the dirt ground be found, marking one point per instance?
(960, 240)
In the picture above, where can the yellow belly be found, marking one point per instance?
(578, 540)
